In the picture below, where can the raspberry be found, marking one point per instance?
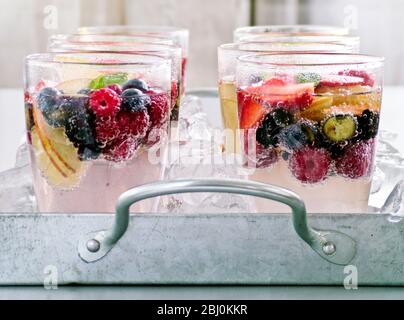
(105, 102)
(121, 150)
(158, 108)
(368, 80)
(310, 165)
(116, 88)
(356, 161)
(134, 123)
(106, 130)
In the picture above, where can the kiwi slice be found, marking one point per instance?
(340, 127)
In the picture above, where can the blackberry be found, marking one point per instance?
(368, 124)
(78, 130)
(273, 123)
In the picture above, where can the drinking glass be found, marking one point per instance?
(309, 122)
(96, 125)
(227, 60)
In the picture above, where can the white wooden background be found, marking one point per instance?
(23, 22)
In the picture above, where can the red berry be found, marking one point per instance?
(106, 130)
(302, 101)
(40, 85)
(310, 165)
(116, 88)
(251, 111)
(134, 123)
(368, 79)
(105, 102)
(174, 93)
(121, 150)
(333, 80)
(356, 161)
(274, 81)
(158, 108)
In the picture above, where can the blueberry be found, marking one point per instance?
(136, 84)
(134, 100)
(49, 105)
(267, 133)
(298, 135)
(368, 124)
(85, 91)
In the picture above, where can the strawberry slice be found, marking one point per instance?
(274, 82)
(251, 111)
(292, 96)
(368, 79)
(334, 80)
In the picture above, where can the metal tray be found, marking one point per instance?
(265, 249)
(271, 249)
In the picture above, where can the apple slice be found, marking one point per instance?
(56, 157)
(73, 86)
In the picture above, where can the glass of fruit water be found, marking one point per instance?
(309, 122)
(288, 30)
(227, 60)
(179, 36)
(97, 125)
(130, 45)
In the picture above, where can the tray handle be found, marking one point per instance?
(333, 246)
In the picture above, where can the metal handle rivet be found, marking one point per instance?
(329, 248)
(93, 245)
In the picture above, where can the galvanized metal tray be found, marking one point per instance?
(270, 249)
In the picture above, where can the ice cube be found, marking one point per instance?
(394, 204)
(377, 180)
(389, 169)
(16, 190)
(22, 155)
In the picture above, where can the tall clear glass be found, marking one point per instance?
(97, 125)
(309, 123)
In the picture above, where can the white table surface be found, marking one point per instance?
(12, 119)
